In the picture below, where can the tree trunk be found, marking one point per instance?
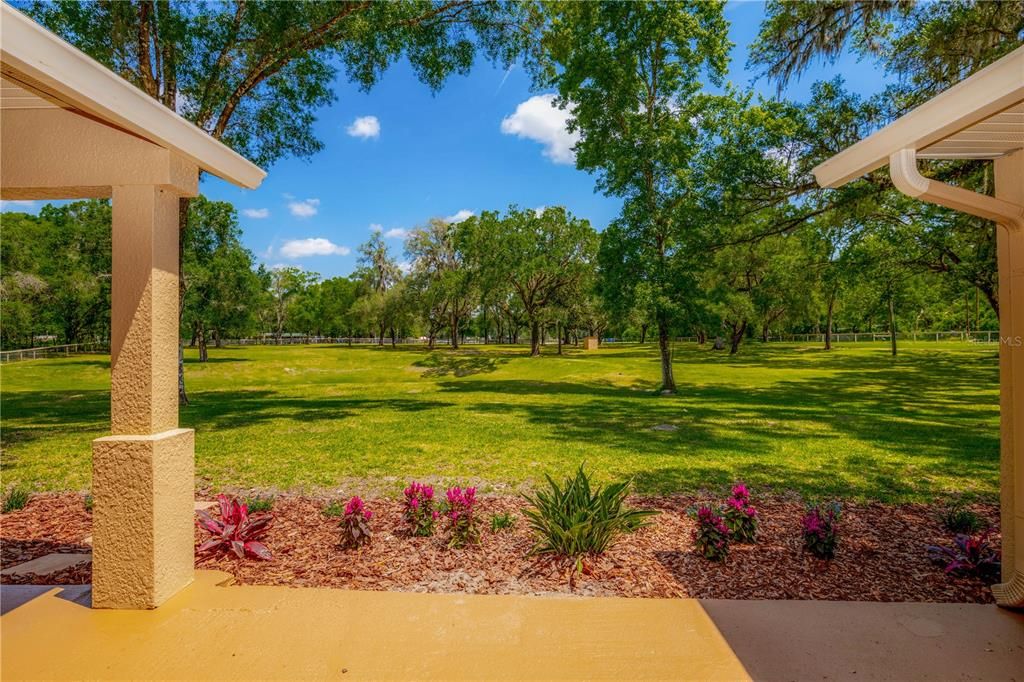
(455, 332)
(217, 339)
(203, 352)
(668, 380)
(828, 322)
(737, 337)
(392, 337)
(182, 397)
(764, 333)
(430, 341)
(558, 333)
(380, 338)
(643, 334)
(534, 338)
(892, 325)
(702, 337)
(183, 205)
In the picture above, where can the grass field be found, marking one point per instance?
(854, 422)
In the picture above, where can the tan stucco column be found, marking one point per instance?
(143, 474)
(1009, 176)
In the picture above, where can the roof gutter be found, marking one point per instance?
(908, 180)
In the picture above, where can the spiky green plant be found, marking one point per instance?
(16, 498)
(576, 518)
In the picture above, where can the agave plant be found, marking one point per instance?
(573, 519)
(235, 531)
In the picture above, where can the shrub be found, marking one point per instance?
(572, 520)
(461, 513)
(821, 530)
(259, 503)
(235, 530)
(335, 509)
(355, 524)
(420, 513)
(957, 518)
(87, 502)
(711, 536)
(503, 521)
(16, 498)
(970, 555)
(740, 516)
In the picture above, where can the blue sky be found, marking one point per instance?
(399, 155)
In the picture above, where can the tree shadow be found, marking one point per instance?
(459, 363)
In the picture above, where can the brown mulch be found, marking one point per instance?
(49, 524)
(881, 556)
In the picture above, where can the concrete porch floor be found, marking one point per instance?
(238, 632)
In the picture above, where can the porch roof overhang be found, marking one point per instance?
(982, 117)
(39, 69)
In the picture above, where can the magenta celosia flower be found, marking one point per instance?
(354, 506)
(740, 491)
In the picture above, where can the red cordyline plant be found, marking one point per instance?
(419, 511)
(740, 516)
(462, 517)
(235, 531)
(355, 524)
(971, 555)
(711, 536)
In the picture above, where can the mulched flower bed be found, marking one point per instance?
(881, 554)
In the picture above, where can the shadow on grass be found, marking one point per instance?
(459, 363)
(829, 430)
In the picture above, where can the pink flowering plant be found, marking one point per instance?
(460, 509)
(355, 524)
(419, 513)
(740, 516)
(821, 530)
(711, 535)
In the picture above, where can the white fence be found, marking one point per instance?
(52, 351)
(337, 340)
(843, 337)
(854, 337)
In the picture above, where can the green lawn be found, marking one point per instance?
(854, 422)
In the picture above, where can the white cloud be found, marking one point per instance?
(397, 233)
(257, 213)
(376, 227)
(405, 266)
(459, 216)
(304, 209)
(16, 204)
(539, 211)
(315, 246)
(538, 119)
(366, 127)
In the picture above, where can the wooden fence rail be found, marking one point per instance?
(53, 351)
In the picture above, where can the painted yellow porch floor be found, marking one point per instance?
(248, 632)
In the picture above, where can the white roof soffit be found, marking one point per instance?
(29, 50)
(982, 117)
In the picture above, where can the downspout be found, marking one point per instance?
(908, 180)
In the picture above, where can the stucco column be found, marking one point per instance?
(1009, 176)
(143, 474)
